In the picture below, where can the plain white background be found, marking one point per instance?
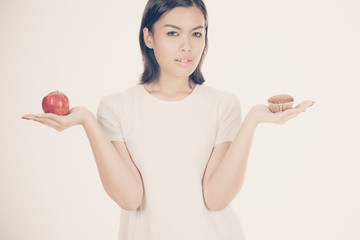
(302, 180)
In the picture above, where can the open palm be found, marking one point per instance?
(263, 114)
(77, 115)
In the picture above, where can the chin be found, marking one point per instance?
(185, 73)
(178, 72)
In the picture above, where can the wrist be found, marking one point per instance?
(88, 119)
(253, 117)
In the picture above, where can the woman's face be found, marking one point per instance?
(178, 41)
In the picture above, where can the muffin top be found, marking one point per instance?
(280, 98)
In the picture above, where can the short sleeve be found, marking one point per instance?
(109, 121)
(229, 119)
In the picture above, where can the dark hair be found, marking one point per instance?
(153, 11)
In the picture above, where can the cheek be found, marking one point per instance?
(163, 49)
(198, 48)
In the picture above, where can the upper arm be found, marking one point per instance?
(217, 155)
(124, 154)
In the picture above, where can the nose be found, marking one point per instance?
(185, 45)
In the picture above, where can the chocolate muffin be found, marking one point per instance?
(280, 102)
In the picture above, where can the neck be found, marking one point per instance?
(172, 85)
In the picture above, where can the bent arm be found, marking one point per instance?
(119, 176)
(226, 172)
(224, 181)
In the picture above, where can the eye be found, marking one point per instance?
(197, 34)
(172, 33)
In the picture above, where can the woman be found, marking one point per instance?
(170, 151)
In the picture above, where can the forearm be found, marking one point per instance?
(228, 178)
(122, 184)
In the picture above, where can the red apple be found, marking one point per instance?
(56, 102)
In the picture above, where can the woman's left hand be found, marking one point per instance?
(262, 113)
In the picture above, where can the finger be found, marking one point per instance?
(290, 117)
(305, 104)
(61, 121)
(284, 114)
(292, 114)
(51, 116)
(43, 115)
(28, 116)
(49, 122)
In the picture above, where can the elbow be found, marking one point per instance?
(214, 202)
(217, 198)
(130, 201)
(134, 202)
(215, 206)
(130, 205)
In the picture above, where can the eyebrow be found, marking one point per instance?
(179, 28)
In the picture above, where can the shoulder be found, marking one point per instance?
(219, 96)
(123, 97)
(117, 103)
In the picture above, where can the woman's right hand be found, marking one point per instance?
(76, 116)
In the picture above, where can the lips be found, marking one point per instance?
(183, 60)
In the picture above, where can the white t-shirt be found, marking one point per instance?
(171, 142)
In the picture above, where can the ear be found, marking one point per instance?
(148, 38)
